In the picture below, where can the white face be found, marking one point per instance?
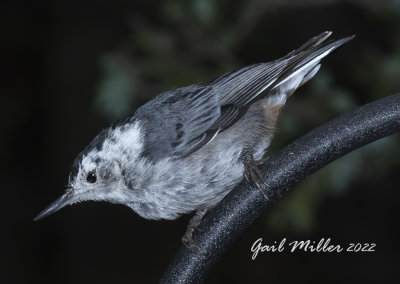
(95, 178)
(98, 173)
(92, 178)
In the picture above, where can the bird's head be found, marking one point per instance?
(97, 173)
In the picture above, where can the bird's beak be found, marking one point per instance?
(64, 200)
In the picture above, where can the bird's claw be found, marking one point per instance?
(194, 223)
(253, 174)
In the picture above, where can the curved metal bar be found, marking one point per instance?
(224, 223)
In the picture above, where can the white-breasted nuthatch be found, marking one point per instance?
(184, 150)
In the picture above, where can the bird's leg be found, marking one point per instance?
(251, 171)
(194, 223)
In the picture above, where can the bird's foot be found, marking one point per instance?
(194, 223)
(252, 172)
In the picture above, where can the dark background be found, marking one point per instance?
(68, 68)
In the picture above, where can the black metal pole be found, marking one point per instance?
(224, 223)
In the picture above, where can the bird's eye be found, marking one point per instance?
(91, 177)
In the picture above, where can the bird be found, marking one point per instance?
(186, 149)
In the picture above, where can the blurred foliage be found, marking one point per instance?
(115, 98)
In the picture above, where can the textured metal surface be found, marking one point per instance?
(222, 225)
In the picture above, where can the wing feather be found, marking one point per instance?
(188, 118)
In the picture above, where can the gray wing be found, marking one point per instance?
(180, 122)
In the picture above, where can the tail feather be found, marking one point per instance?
(305, 61)
(242, 87)
(311, 43)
